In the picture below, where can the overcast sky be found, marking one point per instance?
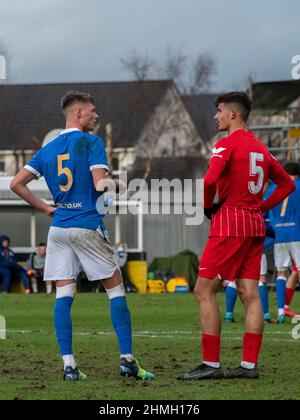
(83, 40)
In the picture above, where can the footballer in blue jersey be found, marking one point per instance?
(75, 168)
(263, 290)
(285, 220)
(72, 156)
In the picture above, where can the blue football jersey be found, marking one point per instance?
(66, 163)
(285, 218)
(270, 234)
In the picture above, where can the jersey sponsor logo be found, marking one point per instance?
(216, 151)
(69, 205)
(291, 224)
(273, 157)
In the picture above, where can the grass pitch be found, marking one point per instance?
(166, 341)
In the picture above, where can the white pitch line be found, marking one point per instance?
(148, 332)
(145, 333)
(190, 335)
(276, 340)
(22, 331)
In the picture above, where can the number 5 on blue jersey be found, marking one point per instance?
(64, 171)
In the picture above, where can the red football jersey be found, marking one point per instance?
(239, 167)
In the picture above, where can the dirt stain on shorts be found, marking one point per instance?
(94, 243)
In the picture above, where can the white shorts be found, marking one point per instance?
(264, 265)
(284, 253)
(72, 250)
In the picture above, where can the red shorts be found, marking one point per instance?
(231, 258)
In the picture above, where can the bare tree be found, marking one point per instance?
(138, 65)
(191, 77)
(176, 67)
(201, 75)
(108, 138)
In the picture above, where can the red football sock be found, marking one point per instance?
(289, 296)
(211, 348)
(251, 347)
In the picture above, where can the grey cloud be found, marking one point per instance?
(54, 40)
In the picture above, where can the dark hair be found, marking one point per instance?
(239, 98)
(73, 96)
(292, 168)
(41, 244)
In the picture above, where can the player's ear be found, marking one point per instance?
(233, 115)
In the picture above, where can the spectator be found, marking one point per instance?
(35, 268)
(9, 268)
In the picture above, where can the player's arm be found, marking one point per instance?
(284, 186)
(100, 170)
(214, 172)
(102, 180)
(19, 186)
(219, 159)
(99, 178)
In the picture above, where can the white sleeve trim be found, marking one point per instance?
(34, 171)
(99, 167)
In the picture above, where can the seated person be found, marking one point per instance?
(9, 268)
(35, 268)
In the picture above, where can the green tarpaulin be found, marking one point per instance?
(184, 264)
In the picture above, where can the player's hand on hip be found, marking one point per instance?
(51, 210)
(105, 185)
(215, 207)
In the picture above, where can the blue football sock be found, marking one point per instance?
(120, 317)
(231, 296)
(281, 292)
(63, 324)
(264, 297)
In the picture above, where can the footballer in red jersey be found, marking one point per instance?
(239, 167)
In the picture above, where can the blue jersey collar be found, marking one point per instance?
(69, 130)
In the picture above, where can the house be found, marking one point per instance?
(202, 110)
(137, 119)
(275, 115)
(276, 105)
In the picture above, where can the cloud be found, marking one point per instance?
(79, 40)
